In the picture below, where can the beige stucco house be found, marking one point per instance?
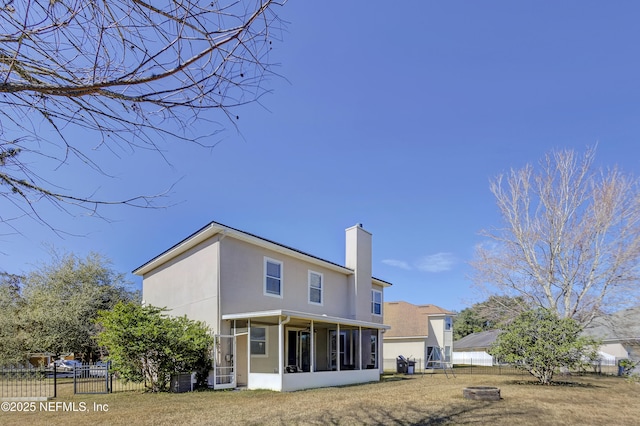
(284, 319)
(422, 332)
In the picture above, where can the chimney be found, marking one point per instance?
(358, 258)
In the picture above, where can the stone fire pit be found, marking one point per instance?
(482, 393)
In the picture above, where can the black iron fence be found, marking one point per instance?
(41, 383)
(31, 382)
(605, 367)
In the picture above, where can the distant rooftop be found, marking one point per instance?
(622, 325)
(476, 341)
(409, 320)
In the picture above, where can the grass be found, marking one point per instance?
(397, 400)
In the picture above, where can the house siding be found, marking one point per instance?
(242, 282)
(187, 284)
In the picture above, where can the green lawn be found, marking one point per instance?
(407, 400)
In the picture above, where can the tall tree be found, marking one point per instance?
(62, 298)
(493, 313)
(126, 73)
(12, 336)
(570, 240)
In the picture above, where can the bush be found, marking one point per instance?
(147, 345)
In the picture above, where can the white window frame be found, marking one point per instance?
(373, 302)
(266, 341)
(321, 288)
(267, 293)
(448, 324)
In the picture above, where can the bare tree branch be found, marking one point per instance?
(127, 72)
(571, 240)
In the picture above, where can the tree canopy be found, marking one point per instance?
(493, 313)
(52, 308)
(541, 343)
(125, 74)
(570, 240)
(145, 344)
(12, 335)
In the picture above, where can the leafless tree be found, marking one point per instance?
(128, 73)
(571, 237)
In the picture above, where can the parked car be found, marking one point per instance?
(65, 364)
(99, 369)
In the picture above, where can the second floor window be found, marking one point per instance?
(376, 302)
(273, 277)
(315, 288)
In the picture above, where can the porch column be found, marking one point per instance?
(380, 359)
(280, 345)
(312, 355)
(337, 347)
(248, 349)
(360, 348)
(281, 323)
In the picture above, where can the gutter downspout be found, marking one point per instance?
(223, 234)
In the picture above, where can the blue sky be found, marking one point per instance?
(394, 117)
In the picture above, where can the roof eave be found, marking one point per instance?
(191, 241)
(380, 282)
(214, 228)
(305, 316)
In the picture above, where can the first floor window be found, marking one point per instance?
(376, 302)
(315, 288)
(258, 341)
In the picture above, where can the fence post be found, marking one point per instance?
(55, 380)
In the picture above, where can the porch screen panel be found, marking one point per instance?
(369, 349)
(264, 350)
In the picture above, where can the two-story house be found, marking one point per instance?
(423, 332)
(283, 319)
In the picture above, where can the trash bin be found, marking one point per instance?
(411, 366)
(401, 365)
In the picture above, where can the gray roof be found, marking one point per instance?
(622, 325)
(476, 341)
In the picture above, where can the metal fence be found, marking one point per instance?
(27, 383)
(41, 383)
(605, 367)
(117, 384)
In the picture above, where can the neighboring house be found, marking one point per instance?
(283, 319)
(43, 359)
(619, 333)
(472, 349)
(40, 359)
(423, 332)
